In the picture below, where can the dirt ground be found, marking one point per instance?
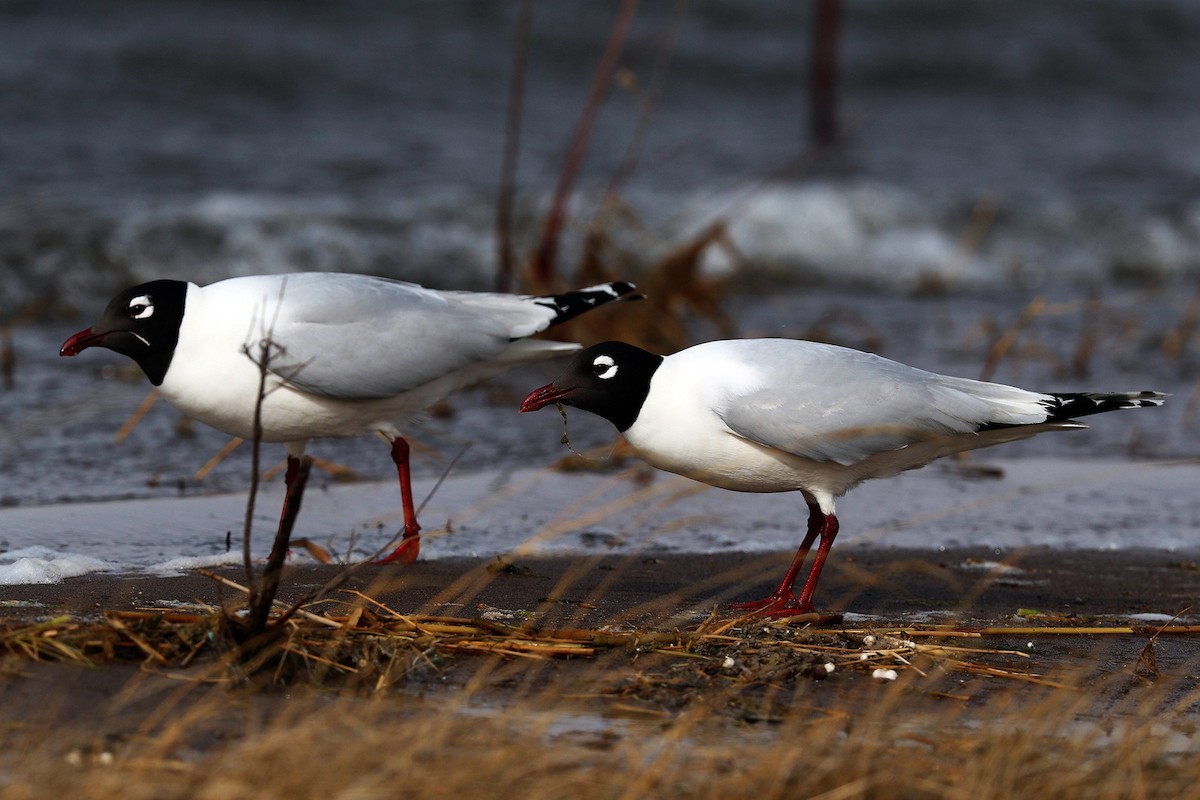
(897, 586)
(744, 687)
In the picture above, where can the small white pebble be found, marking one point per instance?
(727, 663)
(105, 759)
(869, 640)
(1029, 645)
(885, 674)
(863, 656)
(829, 667)
(75, 758)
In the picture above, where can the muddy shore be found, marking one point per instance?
(892, 584)
(596, 710)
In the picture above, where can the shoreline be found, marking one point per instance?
(1002, 504)
(653, 588)
(1101, 703)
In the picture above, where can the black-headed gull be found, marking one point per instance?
(348, 354)
(780, 415)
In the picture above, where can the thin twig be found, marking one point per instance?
(221, 455)
(263, 361)
(255, 454)
(1002, 345)
(348, 572)
(121, 627)
(260, 602)
(317, 618)
(138, 413)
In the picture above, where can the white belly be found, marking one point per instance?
(287, 414)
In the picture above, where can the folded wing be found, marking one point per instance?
(833, 404)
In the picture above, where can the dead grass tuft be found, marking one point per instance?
(357, 699)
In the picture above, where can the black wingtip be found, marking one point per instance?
(1060, 407)
(569, 305)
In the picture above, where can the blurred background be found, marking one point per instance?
(977, 144)
(1005, 190)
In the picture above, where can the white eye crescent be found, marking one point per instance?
(141, 307)
(603, 367)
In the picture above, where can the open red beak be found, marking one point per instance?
(81, 341)
(540, 398)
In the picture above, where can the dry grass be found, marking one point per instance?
(363, 644)
(1035, 742)
(361, 701)
(371, 752)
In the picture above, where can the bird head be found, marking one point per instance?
(610, 379)
(142, 323)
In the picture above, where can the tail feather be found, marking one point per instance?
(569, 305)
(1062, 407)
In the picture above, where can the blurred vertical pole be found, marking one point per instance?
(512, 149)
(823, 75)
(8, 360)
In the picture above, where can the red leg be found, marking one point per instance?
(410, 543)
(829, 531)
(783, 602)
(289, 480)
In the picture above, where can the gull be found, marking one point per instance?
(328, 354)
(784, 415)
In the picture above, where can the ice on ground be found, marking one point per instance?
(1064, 504)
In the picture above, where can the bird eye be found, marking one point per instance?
(603, 367)
(140, 307)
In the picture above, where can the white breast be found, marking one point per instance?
(213, 376)
(679, 428)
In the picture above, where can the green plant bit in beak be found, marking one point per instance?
(565, 438)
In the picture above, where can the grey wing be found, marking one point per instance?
(359, 338)
(843, 406)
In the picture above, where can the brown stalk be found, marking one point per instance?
(1190, 408)
(141, 643)
(1081, 360)
(1115, 630)
(542, 271)
(1176, 340)
(255, 458)
(138, 413)
(8, 354)
(317, 618)
(1004, 344)
(221, 455)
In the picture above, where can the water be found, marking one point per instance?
(991, 152)
(200, 140)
